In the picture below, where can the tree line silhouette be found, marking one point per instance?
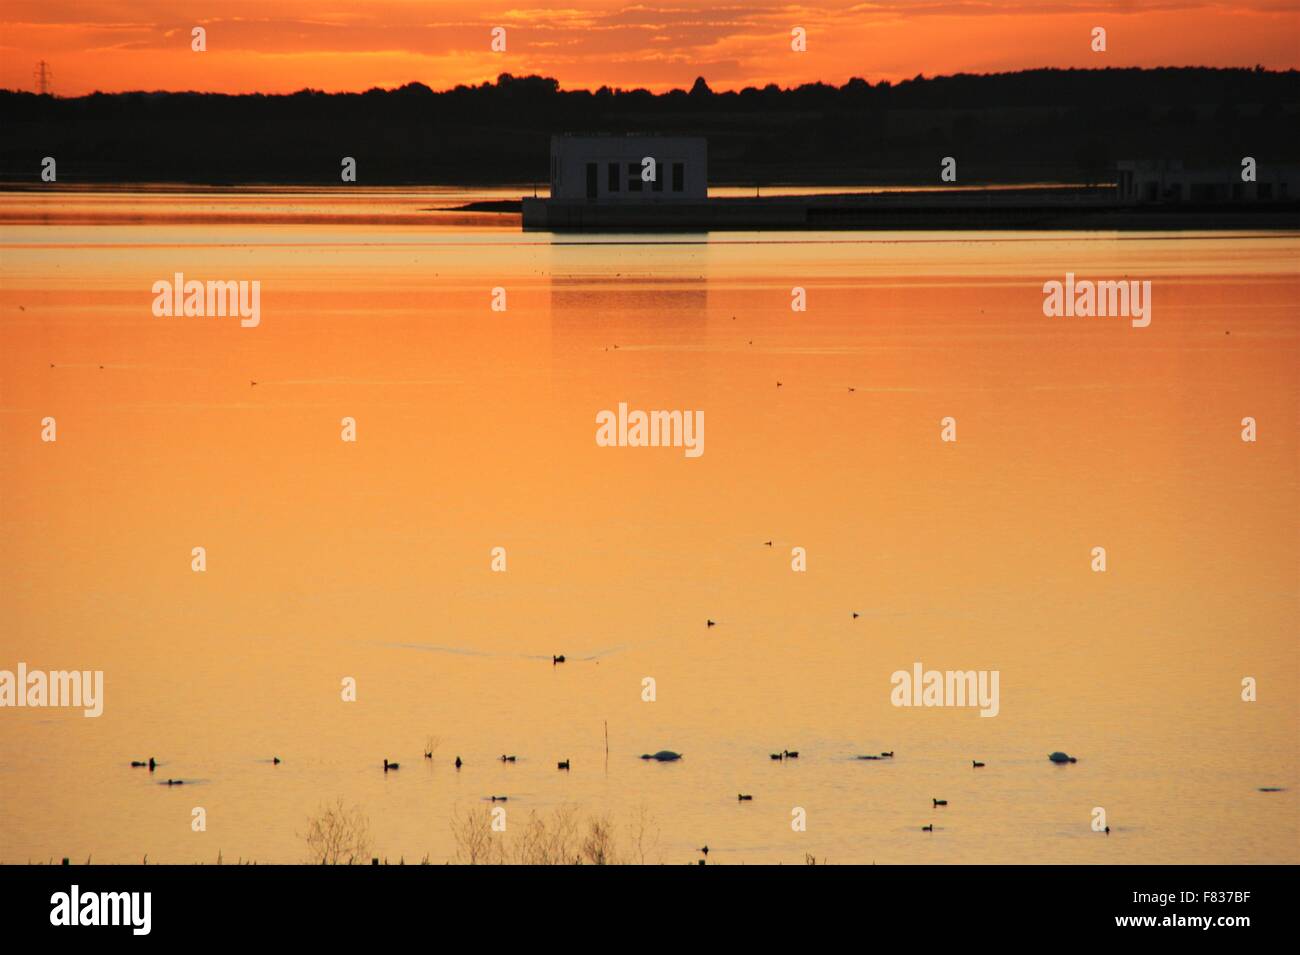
(1046, 124)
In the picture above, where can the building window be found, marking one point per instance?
(633, 177)
(658, 184)
(612, 184)
(679, 177)
(1265, 190)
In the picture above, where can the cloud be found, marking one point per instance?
(111, 45)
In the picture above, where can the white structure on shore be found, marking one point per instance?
(1169, 180)
(629, 169)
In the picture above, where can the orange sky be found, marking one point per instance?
(285, 45)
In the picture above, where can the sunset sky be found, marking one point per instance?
(287, 45)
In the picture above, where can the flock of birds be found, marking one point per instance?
(662, 756)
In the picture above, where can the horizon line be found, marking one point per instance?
(883, 83)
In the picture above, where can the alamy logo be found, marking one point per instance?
(76, 688)
(103, 908)
(1085, 298)
(651, 429)
(195, 299)
(921, 687)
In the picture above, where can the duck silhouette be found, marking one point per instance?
(564, 764)
(791, 754)
(929, 828)
(557, 659)
(388, 766)
(939, 802)
(742, 797)
(774, 756)
(889, 755)
(458, 762)
(507, 759)
(976, 765)
(275, 760)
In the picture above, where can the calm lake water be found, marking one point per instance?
(475, 429)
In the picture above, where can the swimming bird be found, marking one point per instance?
(388, 766)
(939, 802)
(458, 763)
(507, 759)
(152, 764)
(856, 615)
(428, 754)
(500, 798)
(704, 849)
(1059, 757)
(889, 755)
(138, 762)
(251, 384)
(741, 797)
(976, 765)
(175, 782)
(557, 659)
(663, 756)
(791, 754)
(767, 543)
(562, 765)
(868, 757)
(712, 624)
(275, 760)
(1108, 830)
(774, 756)
(929, 828)
(778, 384)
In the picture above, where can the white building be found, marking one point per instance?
(614, 169)
(1170, 180)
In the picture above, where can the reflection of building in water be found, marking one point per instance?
(614, 168)
(659, 324)
(1171, 180)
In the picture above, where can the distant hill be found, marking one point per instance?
(1058, 125)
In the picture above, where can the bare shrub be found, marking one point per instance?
(472, 831)
(560, 837)
(598, 846)
(337, 835)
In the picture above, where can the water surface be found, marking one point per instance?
(476, 430)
